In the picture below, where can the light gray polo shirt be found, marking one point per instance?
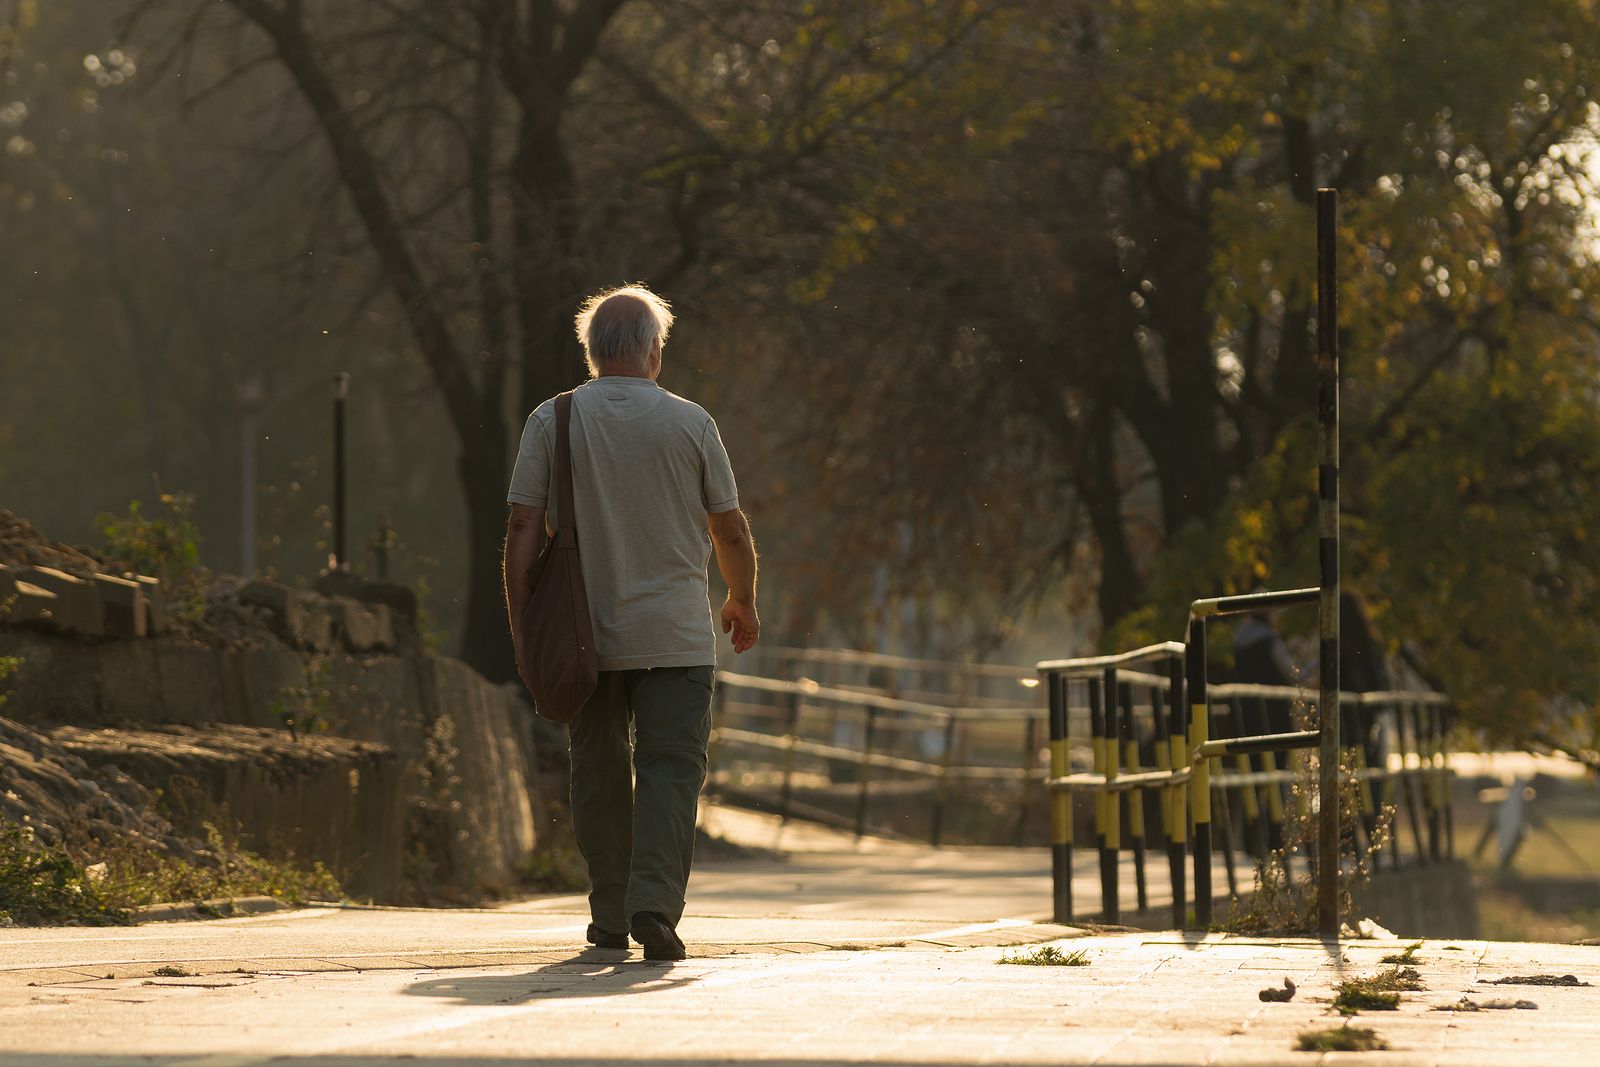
(647, 466)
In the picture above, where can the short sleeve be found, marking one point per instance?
(530, 478)
(717, 488)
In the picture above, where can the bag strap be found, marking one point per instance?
(565, 521)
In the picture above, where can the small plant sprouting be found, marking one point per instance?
(1047, 956)
(170, 971)
(303, 709)
(1344, 1038)
(1406, 957)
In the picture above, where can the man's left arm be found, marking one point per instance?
(524, 541)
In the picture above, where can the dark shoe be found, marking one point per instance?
(659, 939)
(603, 939)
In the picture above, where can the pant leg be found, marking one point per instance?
(602, 798)
(672, 726)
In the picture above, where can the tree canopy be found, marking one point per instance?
(1005, 306)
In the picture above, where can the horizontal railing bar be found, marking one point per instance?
(1238, 605)
(1243, 746)
(813, 691)
(1086, 664)
(733, 735)
(1232, 690)
(883, 659)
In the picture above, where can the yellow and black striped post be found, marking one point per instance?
(1060, 802)
(1178, 819)
(1200, 780)
(1130, 761)
(1103, 709)
(1328, 823)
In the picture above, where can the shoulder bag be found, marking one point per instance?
(555, 645)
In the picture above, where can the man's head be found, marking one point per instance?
(622, 331)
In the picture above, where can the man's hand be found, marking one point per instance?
(740, 619)
(736, 558)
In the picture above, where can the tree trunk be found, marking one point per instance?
(1120, 584)
(547, 298)
(486, 639)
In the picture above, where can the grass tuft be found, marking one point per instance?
(1381, 992)
(1344, 1038)
(170, 971)
(1047, 956)
(1403, 958)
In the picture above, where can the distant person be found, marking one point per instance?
(1363, 668)
(651, 481)
(1260, 657)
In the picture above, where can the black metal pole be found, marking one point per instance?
(1178, 833)
(1200, 780)
(341, 390)
(1328, 820)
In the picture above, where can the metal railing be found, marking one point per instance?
(1194, 759)
(830, 741)
(946, 683)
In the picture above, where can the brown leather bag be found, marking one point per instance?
(555, 643)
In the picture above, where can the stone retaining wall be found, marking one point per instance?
(463, 746)
(338, 801)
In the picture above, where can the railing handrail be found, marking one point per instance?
(807, 688)
(1092, 664)
(858, 657)
(1225, 690)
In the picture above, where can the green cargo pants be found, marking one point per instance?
(634, 818)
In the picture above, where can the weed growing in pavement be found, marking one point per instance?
(1408, 956)
(1344, 1038)
(170, 971)
(1046, 956)
(1381, 992)
(1284, 903)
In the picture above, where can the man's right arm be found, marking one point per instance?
(736, 559)
(524, 541)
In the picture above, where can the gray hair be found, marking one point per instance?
(618, 328)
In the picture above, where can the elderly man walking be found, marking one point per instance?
(651, 479)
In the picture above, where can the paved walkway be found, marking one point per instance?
(820, 959)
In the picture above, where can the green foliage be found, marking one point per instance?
(1046, 956)
(41, 885)
(1344, 1038)
(165, 545)
(9, 665)
(303, 709)
(1471, 484)
(47, 885)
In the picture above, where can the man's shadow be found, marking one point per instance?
(594, 972)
